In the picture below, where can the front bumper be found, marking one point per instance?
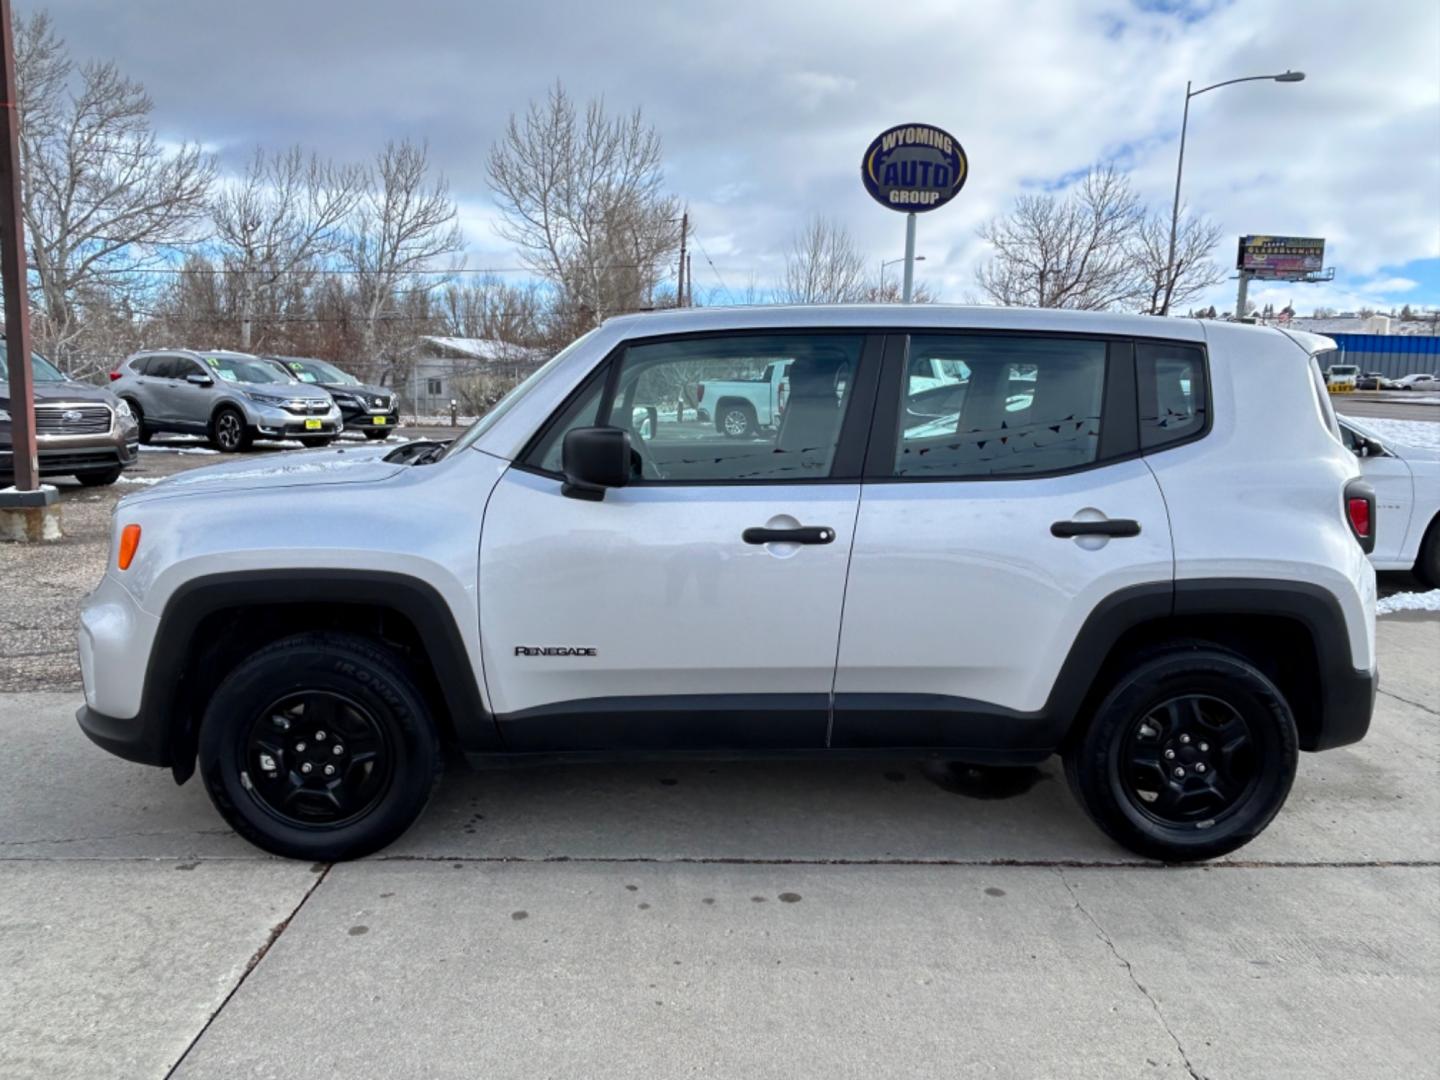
(134, 739)
(360, 420)
(274, 423)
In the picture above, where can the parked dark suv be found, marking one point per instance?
(80, 430)
(371, 409)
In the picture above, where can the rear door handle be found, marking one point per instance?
(810, 534)
(1112, 527)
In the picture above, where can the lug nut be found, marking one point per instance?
(306, 767)
(1200, 767)
(1169, 755)
(319, 736)
(1179, 772)
(329, 770)
(1204, 746)
(337, 749)
(1185, 739)
(299, 747)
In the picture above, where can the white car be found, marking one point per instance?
(1407, 499)
(1418, 381)
(1135, 542)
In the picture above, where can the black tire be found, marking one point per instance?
(145, 433)
(228, 431)
(736, 420)
(1427, 562)
(367, 698)
(377, 433)
(99, 478)
(1164, 707)
(313, 443)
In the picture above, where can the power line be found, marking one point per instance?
(728, 294)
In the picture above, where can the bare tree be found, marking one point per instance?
(281, 218)
(823, 266)
(103, 199)
(583, 199)
(1164, 285)
(488, 308)
(891, 291)
(1066, 252)
(401, 225)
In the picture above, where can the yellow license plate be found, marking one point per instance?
(312, 425)
(379, 421)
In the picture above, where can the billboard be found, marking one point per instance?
(1281, 256)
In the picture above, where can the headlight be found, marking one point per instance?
(265, 399)
(346, 399)
(122, 410)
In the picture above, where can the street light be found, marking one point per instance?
(892, 262)
(1284, 77)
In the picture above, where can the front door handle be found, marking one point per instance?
(1112, 527)
(810, 534)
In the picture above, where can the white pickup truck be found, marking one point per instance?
(741, 407)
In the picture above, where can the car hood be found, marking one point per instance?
(361, 390)
(312, 468)
(64, 391)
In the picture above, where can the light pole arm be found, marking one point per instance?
(1228, 82)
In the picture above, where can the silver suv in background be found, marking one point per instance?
(230, 397)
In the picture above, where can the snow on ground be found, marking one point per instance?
(176, 448)
(141, 479)
(1402, 432)
(1408, 601)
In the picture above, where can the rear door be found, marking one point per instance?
(998, 511)
(699, 606)
(160, 401)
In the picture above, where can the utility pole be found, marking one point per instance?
(680, 289)
(26, 464)
(689, 283)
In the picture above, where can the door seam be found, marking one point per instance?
(840, 631)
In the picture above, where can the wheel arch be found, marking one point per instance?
(1293, 631)
(211, 623)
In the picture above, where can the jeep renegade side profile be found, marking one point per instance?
(1135, 542)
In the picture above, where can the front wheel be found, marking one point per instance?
(377, 433)
(313, 443)
(99, 478)
(229, 432)
(319, 747)
(1189, 756)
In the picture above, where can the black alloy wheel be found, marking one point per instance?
(1189, 759)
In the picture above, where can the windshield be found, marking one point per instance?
(318, 371)
(43, 369)
(505, 404)
(245, 370)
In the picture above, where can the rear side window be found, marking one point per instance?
(1318, 361)
(996, 405)
(141, 364)
(163, 367)
(1173, 394)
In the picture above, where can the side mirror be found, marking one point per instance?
(593, 459)
(199, 380)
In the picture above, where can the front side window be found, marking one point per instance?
(977, 405)
(1170, 381)
(741, 407)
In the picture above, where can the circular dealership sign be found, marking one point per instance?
(914, 167)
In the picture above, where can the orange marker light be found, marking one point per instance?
(129, 541)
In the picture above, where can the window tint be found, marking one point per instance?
(162, 367)
(583, 411)
(991, 404)
(1173, 394)
(185, 367)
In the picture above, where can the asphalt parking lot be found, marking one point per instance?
(835, 919)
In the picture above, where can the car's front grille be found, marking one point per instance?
(303, 407)
(377, 402)
(72, 419)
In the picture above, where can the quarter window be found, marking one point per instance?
(1173, 397)
(995, 405)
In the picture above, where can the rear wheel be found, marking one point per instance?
(145, 432)
(1190, 755)
(736, 420)
(228, 430)
(319, 747)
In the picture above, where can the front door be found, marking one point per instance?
(699, 606)
(990, 527)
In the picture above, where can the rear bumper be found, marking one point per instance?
(134, 739)
(1345, 711)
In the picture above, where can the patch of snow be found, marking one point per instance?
(141, 479)
(1424, 433)
(174, 448)
(1408, 601)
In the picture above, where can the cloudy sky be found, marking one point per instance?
(765, 109)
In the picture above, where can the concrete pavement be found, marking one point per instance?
(834, 919)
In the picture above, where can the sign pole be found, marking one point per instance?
(1240, 295)
(12, 266)
(909, 255)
